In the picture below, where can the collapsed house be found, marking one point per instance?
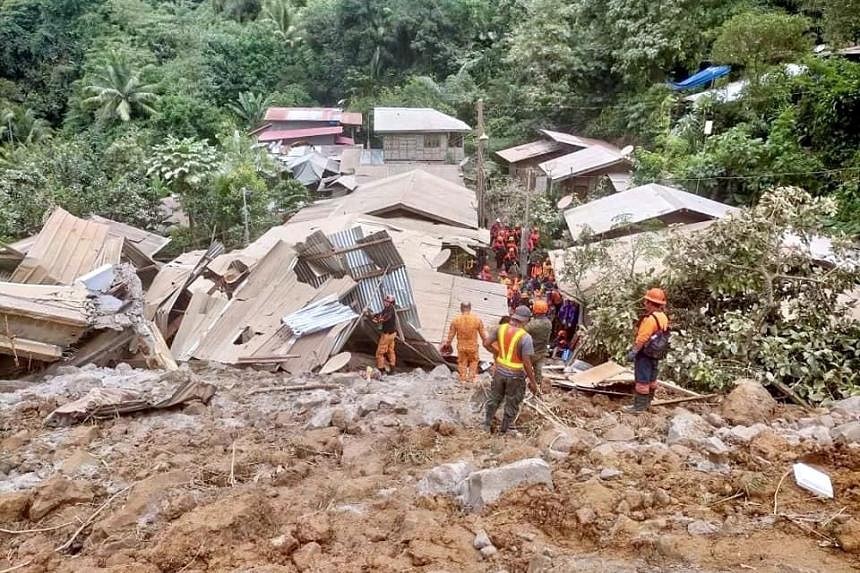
(75, 295)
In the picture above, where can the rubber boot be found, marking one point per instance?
(640, 404)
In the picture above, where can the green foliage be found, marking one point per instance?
(181, 115)
(842, 21)
(742, 303)
(758, 39)
(183, 164)
(250, 108)
(118, 93)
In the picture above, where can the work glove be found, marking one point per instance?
(631, 355)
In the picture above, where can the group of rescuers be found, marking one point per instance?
(519, 348)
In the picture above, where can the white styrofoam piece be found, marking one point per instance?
(813, 480)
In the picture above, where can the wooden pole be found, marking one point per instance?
(524, 257)
(480, 176)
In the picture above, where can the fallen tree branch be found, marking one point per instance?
(789, 393)
(779, 485)
(295, 388)
(16, 567)
(91, 518)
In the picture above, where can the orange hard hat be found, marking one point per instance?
(540, 306)
(656, 295)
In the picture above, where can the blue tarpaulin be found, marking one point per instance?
(702, 78)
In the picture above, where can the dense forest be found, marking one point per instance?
(109, 105)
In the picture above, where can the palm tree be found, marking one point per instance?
(21, 126)
(284, 17)
(250, 108)
(6, 128)
(118, 91)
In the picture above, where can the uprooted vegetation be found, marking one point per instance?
(758, 295)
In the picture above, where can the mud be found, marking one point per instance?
(262, 481)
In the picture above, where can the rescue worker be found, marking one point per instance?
(486, 274)
(645, 367)
(467, 327)
(512, 348)
(540, 329)
(386, 359)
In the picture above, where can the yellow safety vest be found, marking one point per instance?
(508, 355)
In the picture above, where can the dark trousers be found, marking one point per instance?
(645, 373)
(509, 389)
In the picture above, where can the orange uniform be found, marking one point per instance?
(467, 327)
(648, 326)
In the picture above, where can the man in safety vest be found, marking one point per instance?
(645, 367)
(467, 327)
(540, 328)
(513, 349)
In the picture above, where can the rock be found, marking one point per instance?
(321, 419)
(15, 441)
(416, 523)
(818, 434)
(285, 543)
(700, 527)
(143, 503)
(846, 433)
(609, 473)
(847, 407)
(742, 434)
(13, 506)
(488, 551)
(714, 445)
(482, 539)
(445, 479)
(343, 418)
(57, 492)
(486, 486)
(313, 527)
(304, 557)
(79, 462)
(686, 428)
(748, 403)
(445, 428)
(441, 372)
(662, 498)
(848, 535)
(568, 440)
(368, 404)
(715, 419)
(619, 433)
(123, 367)
(827, 421)
(585, 515)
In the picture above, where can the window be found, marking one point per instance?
(455, 140)
(433, 140)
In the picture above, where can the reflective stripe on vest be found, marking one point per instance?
(506, 352)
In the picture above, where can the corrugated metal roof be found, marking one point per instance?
(415, 120)
(576, 140)
(621, 181)
(146, 242)
(294, 134)
(303, 114)
(351, 118)
(344, 140)
(66, 248)
(582, 162)
(637, 205)
(419, 192)
(529, 150)
(368, 173)
(439, 295)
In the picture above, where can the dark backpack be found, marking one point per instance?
(658, 345)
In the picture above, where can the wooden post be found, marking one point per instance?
(524, 257)
(480, 176)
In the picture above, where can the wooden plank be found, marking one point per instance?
(598, 374)
(685, 399)
(23, 348)
(671, 386)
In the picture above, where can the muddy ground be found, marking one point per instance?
(271, 481)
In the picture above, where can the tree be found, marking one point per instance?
(250, 108)
(842, 21)
(759, 39)
(22, 127)
(284, 17)
(118, 91)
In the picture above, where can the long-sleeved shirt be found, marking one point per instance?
(467, 328)
(650, 324)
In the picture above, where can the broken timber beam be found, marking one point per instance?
(671, 386)
(24, 348)
(680, 400)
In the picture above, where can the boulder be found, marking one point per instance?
(304, 557)
(81, 461)
(686, 428)
(619, 433)
(741, 434)
(58, 492)
(700, 527)
(285, 543)
(609, 473)
(143, 503)
(13, 506)
(488, 551)
(817, 434)
(848, 535)
(847, 407)
(445, 479)
(313, 527)
(713, 445)
(486, 486)
(585, 515)
(567, 440)
(748, 403)
(321, 419)
(846, 433)
(482, 540)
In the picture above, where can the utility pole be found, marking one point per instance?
(480, 176)
(524, 256)
(246, 216)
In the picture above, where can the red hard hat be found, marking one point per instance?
(656, 295)
(540, 306)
